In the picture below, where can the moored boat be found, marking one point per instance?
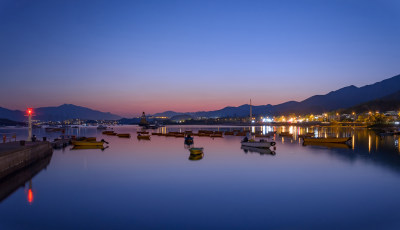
(188, 140)
(327, 139)
(258, 144)
(124, 135)
(143, 137)
(196, 157)
(196, 150)
(88, 143)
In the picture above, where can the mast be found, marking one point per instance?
(251, 115)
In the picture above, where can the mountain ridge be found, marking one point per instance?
(338, 99)
(59, 113)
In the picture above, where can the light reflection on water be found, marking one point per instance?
(157, 185)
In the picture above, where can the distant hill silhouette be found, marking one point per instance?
(8, 122)
(59, 113)
(343, 98)
(390, 102)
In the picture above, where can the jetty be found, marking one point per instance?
(15, 156)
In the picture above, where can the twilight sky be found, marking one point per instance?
(131, 56)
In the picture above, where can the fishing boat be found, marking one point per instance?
(143, 137)
(258, 144)
(196, 151)
(127, 135)
(88, 143)
(327, 139)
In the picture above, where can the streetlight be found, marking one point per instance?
(29, 113)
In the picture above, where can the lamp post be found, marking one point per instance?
(29, 112)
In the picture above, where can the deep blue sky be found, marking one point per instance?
(129, 56)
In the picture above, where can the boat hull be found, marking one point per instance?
(88, 143)
(258, 144)
(327, 140)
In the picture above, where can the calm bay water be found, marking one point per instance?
(153, 184)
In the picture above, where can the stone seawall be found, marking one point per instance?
(14, 157)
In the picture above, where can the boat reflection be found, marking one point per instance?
(196, 157)
(14, 181)
(80, 147)
(328, 145)
(261, 151)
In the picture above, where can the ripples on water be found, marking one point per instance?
(155, 185)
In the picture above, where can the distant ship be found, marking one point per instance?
(143, 122)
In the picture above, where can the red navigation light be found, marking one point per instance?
(30, 196)
(29, 111)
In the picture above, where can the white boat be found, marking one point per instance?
(258, 144)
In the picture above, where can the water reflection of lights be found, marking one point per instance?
(353, 142)
(369, 143)
(29, 196)
(376, 143)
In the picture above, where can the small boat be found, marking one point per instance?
(285, 134)
(204, 134)
(306, 135)
(142, 132)
(196, 151)
(229, 133)
(241, 134)
(328, 145)
(77, 147)
(196, 157)
(143, 137)
(124, 135)
(88, 143)
(327, 139)
(216, 135)
(263, 135)
(107, 132)
(258, 144)
(188, 140)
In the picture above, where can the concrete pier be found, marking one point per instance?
(15, 180)
(14, 157)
